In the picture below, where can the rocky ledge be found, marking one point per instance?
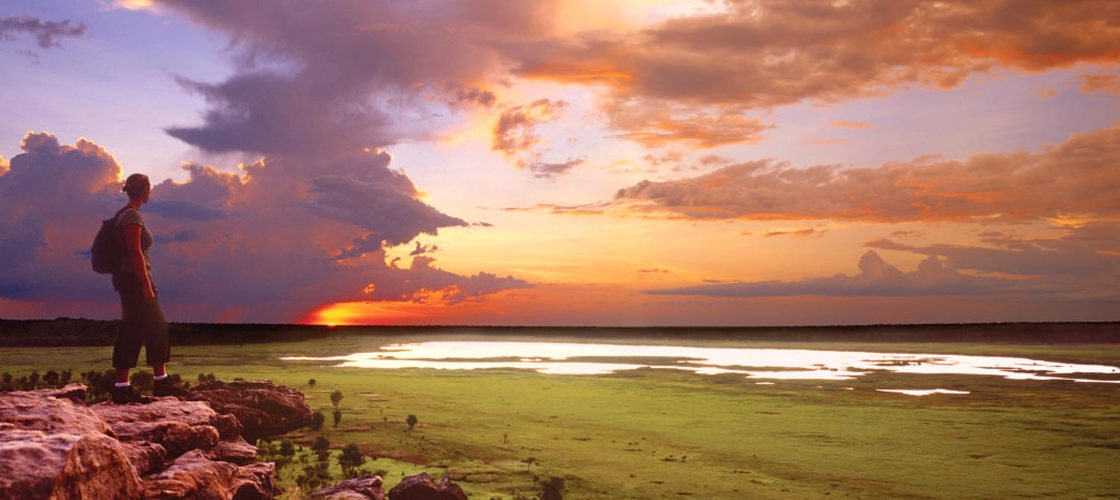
(53, 445)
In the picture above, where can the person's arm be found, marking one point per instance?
(136, 257)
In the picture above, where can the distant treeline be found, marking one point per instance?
(85, 332)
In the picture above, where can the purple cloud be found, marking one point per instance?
(47, 34)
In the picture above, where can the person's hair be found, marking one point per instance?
(136, 185)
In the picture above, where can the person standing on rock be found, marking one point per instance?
(142, 320)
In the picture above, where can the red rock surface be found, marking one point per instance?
(262, 407)
(54, 446)
(422, 487)
(363, 488)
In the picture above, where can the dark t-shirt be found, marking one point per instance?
(132, 216)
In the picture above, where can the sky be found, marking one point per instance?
(569, 162)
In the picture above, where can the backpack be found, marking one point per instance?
(107, 251)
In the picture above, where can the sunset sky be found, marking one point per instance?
(569, 162)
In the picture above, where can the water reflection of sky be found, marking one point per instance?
(781, 364)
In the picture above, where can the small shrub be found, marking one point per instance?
(411, 421)
(317, 420)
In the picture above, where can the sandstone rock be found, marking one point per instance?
(53, 446)
(74, 392)
(422, 487)
(144, 456)
(362, 488)
(235, 451)
(179, 426)
(36, 464)
(194, 476)
(228, 426)
(262, 407)
(44, 411)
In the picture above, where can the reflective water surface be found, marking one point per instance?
(763, 364)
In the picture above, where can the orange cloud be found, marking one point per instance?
(849, 124)
(1077, 178)
(1048, 93)
(667, 123)
(801, 233)
(1108, 83)
(768, 53)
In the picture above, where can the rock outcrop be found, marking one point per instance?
(422, 487)
(52, 445)
(262, 407)
(363, 488)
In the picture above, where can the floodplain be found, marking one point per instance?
(653, 431)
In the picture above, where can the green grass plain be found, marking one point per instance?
(668, 434)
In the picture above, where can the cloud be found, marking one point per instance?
(47, 34)
(546, 170)
(423, 249)
(666, 123)
(261, 245)
(1084, 252)
(515, 136)
(799, 233)
(460, 94)
(762, 54)
(1105, 83)
(875, 278)
(317, 89)
(50, 200)
(317, 77)
(850, 124)
(515, 131)
(1075, 178)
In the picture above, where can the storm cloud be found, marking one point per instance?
(259, 245)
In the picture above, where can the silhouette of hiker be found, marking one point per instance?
(142, 320)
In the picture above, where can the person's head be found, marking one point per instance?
(138, 187)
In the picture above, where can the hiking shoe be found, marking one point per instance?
(126, 394)
(168, 387)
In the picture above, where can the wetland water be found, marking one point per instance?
(568, 358)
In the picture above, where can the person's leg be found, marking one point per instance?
(157, 347)
(126, 349)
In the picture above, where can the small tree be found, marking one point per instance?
(311, 382)
(552, 489)
(411, 421)
(336, 397)
(322, 447)
(317, 420)
(314, 476)
(529, 463)
(350, 459)
(287, 449)
(337, 416)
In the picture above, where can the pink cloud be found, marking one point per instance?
(850, 124)
(1107, 83)
(1074, 178)
(875, 278)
